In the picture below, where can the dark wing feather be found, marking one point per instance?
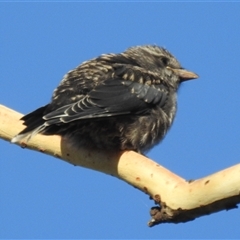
(110, 85)
(112, 97)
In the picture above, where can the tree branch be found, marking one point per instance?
(178, 199)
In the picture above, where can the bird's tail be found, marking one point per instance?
(34, 123)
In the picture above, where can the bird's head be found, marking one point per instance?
(161, 62)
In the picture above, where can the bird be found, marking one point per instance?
(122, 101)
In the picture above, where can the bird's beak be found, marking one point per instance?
(184, 74)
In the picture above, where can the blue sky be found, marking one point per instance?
(42, 197)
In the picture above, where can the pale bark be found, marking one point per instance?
(179, 200)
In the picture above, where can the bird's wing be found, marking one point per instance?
(111, 98)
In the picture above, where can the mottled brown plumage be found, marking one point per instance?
(115, 101)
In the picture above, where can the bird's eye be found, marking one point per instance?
(165, 60)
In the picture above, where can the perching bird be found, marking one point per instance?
(123, 101)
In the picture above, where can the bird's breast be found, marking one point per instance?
(145, 131)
